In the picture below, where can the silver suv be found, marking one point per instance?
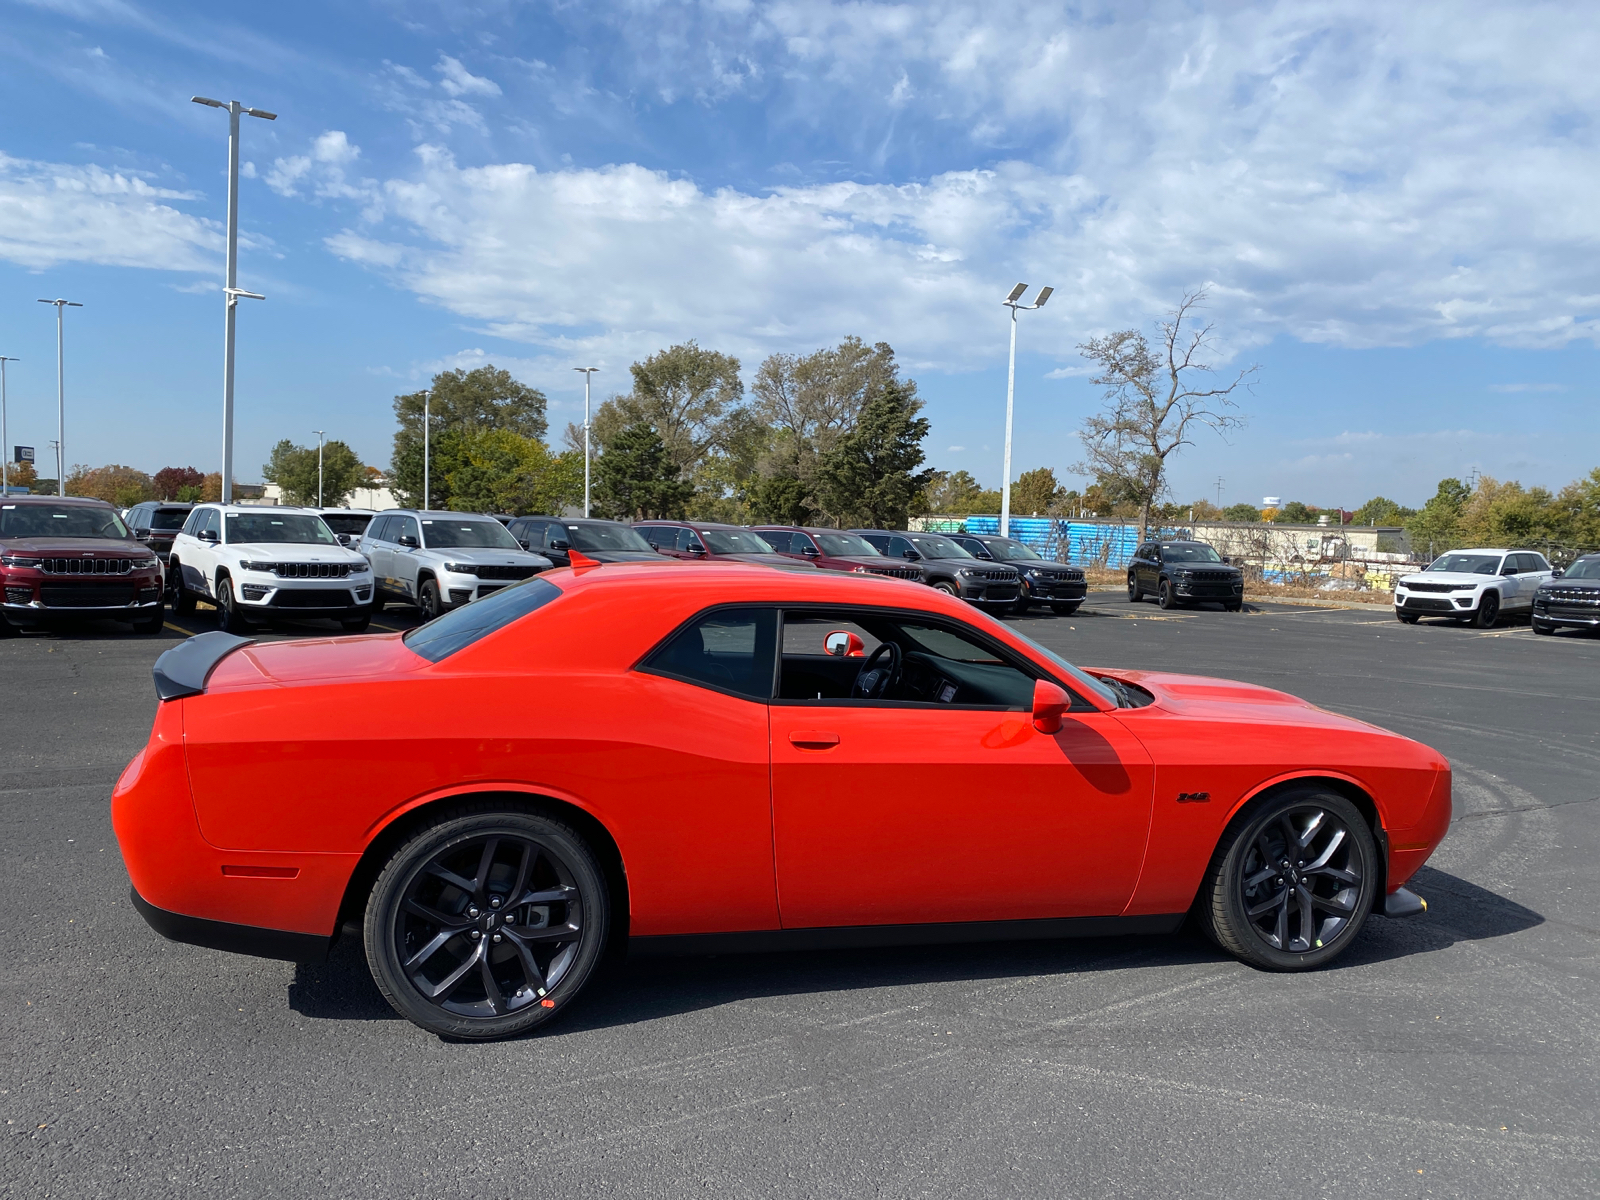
(441, 560)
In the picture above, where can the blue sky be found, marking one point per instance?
(1393, 212)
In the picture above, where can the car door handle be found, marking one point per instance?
(814, 739)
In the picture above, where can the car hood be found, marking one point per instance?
(879, 563)
(769, 560)
(67, 547)
(627, 556)
(306, 552)
(1592, 585)
(1230, 700)
(1049, 564)
(319, 660)
(1455, 577)
(487, 556)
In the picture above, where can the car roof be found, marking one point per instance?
(694, 524)
(359, 512)
(1483, 550)
(86, 500)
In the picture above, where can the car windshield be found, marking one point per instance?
(1584, 568)
(347, 522)
(607, 537)
(253, 528)
(168, 518)
(460, 627)
(735, 541)
(1467, 564)
(60, 520)
(1006, 550)
(1189, 552)
(439, 533)
(1079, 679)
(937, 547)
(846, 545)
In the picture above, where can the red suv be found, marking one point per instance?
(705, 540)
(834, 550)
(73, 559)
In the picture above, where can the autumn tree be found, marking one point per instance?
(459, 401)
(115, 484)
(1157, 398)
(1380, 510)
(21, 475)
(177, 483)
(1436, 528)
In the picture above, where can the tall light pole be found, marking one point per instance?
(5, 437)
(427, 479)
(231, 291)
(61, 401)
(1013, 302)
(588, 374)
(318, 432)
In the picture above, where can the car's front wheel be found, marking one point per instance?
(1541, 626)
(945, 586)
(229, 618)
(428, 600)
(1066, 610)
(1405, 618)
(1292, 881)
(1134, 594)
(1165, 597)
(1488, 611)
(487, 923)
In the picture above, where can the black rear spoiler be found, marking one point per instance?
(183, 670)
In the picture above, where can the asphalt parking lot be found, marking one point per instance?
(1457, 1054)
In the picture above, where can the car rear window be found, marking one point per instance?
(168, 518)
(346, 522)
(460, 627)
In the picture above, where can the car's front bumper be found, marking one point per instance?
(31, 598)
(260, 592)
(1435, 603)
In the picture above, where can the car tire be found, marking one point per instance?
(356, 624)
(428, 600)
(1541, 627)
(153, 624)
(1020, 606)
(183, 600)
(7, 629)
(1134, 594)
(441, 886)
(229, 618)
(1298, 917)
(948, 588)
(1406, 618)
(1488, 611)
(377, 602)
(1066, 610)
(1165, 598)
(1233, 606)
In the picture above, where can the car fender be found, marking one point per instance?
(477, 787)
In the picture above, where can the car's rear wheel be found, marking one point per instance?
(1488, 611)
(1405, 618)
(1165, 597)
(428, 600)
(1134, 594)
(487, 923)
(1292, 881)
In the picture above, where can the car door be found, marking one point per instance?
(902, 812)
(1532, 570)
(200, 558)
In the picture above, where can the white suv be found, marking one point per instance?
(254, 563)
(1477, 586)
(442, 560)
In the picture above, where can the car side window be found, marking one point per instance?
(1531, 562)
(138, 517)
(898, 547)
(192, 525)
(404, 527)
(688, 539)
(783, 543)
(877, 541)
(729, 650)
(375, 529)
(212, 522)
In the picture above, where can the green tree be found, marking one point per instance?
(1436, 528)
(782, 500)
(294, 469)
(1380, 510)
(1037, 493)
(636, 478)
(1295, 513)
(1241, 512)
(498, 471)
(870, 477)
(957, 493)
(483, 398)
(1579, 505)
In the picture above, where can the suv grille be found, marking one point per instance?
(996, 575)
(1059, 576)
(311, 570)
(1585, 596)
(1437, 587)
(513, 573)
(86, 566)
(897, 572)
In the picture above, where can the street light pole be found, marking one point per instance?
(61, 401)
(319, 432)
(1012, 301)
(427, 481)
(5, 437)
(231, 290)
(588, 374)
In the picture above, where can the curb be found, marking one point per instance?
(1357, 605)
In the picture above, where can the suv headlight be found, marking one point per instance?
(251, 565)
(965, 571)
(18, 560)
(146, 564)
(461, 568)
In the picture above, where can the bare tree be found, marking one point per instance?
(1154, 400)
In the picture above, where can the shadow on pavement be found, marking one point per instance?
(648, 989)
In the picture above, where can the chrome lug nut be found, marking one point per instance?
(476, 934)
(494, 901)
(473, 911)
(497, 937)
(511, 918)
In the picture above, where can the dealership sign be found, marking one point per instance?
(24, 454)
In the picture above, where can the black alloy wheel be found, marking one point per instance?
(1292, 882)
(1066, 610)
(1542, 627)
(152, 624)
(1233, 606)
(428, 600)
(1406, 618)
(1488, 611)
(487, 924)
(1134, 594)
(356, 624)
(948, 588)
(1165, 598)
(229, 618)
(183, 600)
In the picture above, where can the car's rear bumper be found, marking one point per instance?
(236, 939)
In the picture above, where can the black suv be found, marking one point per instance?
(1044, 581)
(603, 541)
(156, 523)
(946, 566)
(1571, 600)
(1183, 573)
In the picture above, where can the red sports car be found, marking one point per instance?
(719, 756)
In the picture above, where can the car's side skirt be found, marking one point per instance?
(862, 936)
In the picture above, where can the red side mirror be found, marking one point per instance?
(1049, 704)
(841, 643)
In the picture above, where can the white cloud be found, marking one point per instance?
(52, 213)
(954, 449)
(458, 81)
(324, 171)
